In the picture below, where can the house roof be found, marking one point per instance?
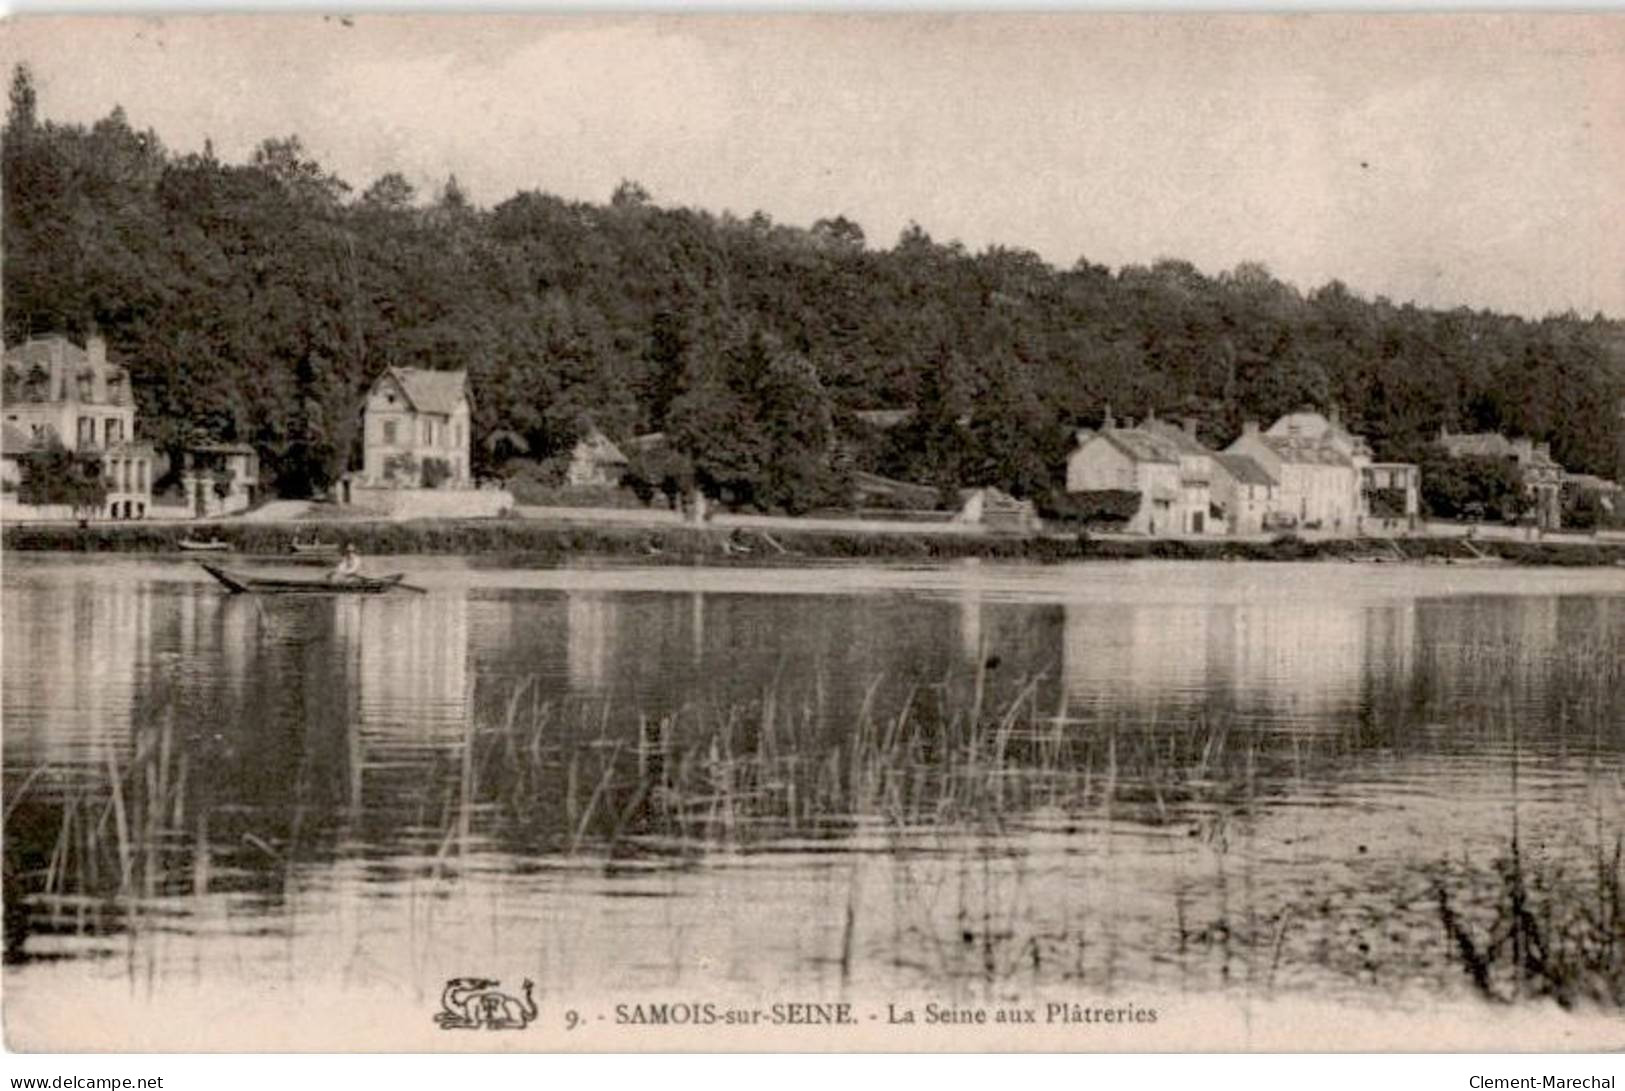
(431, 391)
(995, 501)
(883, 418)
(46, 350)
(1485, 444)
(1312, 427)
(1141, 446)
(1591, 481)
(1305, 453)
(598, 448)
(221, 449)
(65, 362)
(1305, 423)
(1245, 469)
(1178, 436)
(1527, 452)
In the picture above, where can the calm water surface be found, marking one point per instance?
(1195, 778)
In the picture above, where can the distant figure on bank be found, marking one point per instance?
(349, 566)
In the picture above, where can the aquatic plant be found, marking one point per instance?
(1545, 933)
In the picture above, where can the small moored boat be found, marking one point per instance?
(241, 584)
(213, 545)
(316, 549)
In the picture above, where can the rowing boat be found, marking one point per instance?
(239, 584)
(213, 545)
(316, 549)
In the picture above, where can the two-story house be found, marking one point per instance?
(1541, 474)
(1166, 465)
(1314, 461)
(415, 430)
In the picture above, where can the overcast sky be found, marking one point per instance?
(1443, 159)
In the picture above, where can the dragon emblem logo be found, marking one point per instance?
(474, 1003)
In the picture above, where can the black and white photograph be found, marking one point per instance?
(826, 532)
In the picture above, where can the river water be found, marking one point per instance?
(979, 782)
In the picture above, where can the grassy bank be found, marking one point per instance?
(543, 540)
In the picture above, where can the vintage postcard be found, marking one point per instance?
(819, 533)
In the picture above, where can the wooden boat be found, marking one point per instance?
(315, 549)
(213, 545)
(240, 584)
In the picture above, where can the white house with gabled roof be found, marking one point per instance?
(412, 419)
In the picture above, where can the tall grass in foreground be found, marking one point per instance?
(944, 757)
(976, 758)
(1545, 933)
(113, 844)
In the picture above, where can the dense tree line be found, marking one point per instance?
(255, 302)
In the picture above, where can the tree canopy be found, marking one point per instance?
(255, 302)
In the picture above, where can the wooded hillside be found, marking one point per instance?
(256, 301)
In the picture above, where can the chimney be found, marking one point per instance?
(1336, 417)
(1190, 426)
(1249, 428)
(1108, 422)
(96, 349)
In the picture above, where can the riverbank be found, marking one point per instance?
(539, 540)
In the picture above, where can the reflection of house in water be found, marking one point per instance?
(411, 662)
(590, 618)
(1291, 659)
(970, 623)
(70, 666)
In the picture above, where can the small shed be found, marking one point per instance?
(596, 461)
(996, 509)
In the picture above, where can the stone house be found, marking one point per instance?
(1245, 491)
(1315, 466)
(413, 419)
(1542, 476)
(219, 478)
(596, 461)
(1167, 466)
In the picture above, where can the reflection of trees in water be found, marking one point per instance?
(352, 742)
(1282, 661)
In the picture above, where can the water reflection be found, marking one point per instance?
(1275, 661)
(343, 773)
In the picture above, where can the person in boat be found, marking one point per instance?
(349, 566)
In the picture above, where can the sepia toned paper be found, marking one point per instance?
(775, 800)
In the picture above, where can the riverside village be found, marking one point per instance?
(75, 453)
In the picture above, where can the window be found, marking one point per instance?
(87, 432)
(127, 474)
(113, 428)
(389, 432)
(141, 475)
(428, 433)
(457, 434)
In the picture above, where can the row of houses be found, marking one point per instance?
(1305, 471)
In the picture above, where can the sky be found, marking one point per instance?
(1449, 160)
